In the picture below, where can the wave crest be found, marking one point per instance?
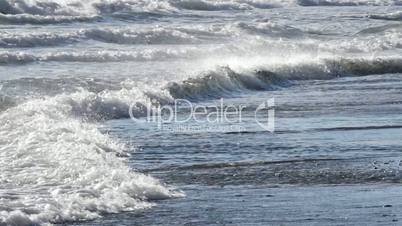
(347, 2)
(226, 82)
(265, 27)
(390, 16)
(12, 58)
(9, 40)
(39, 19)
(221, 5)
(98, 7)
(223, 82)
(155, 35)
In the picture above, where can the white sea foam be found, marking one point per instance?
(223, 5)
(149, 36)
(54, 168)
(270, 29)
(40, 19)
(346, 2)
(20, 57)
(97, 7)
(36, 39)
(66, 11)
(155, 35)
(78, 8)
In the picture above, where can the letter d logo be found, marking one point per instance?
(269, 107)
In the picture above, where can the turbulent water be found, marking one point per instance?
(70, 70)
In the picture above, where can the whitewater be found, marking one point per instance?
(71, 72)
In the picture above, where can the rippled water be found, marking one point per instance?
(70, 154)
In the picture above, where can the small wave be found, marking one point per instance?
(242, 164)
(390, 16)
(111, 101)
(12, 58)
(35, 11)
(102, 101)
(225, 82)
(157, 35)
(134, 7)
(36, 7)
(360, 128)
(361, 67)
(80, 8)
(39, 19)
(347, 2)
(106, 56)
(86, 99)
(380, 29)
(268, 28)
(149, 36)
(291, 172)
(207, 5)
(221, 5)
(16, 58)
(340, 67)
(23, 88)
(8, 40)
(49, 12)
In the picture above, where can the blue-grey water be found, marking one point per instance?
(77, 80)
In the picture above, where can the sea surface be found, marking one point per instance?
(318, 141)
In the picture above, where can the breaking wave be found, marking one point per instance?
(109, 101)
(64, 169)
(9, 40)
(150, 36)
(225, 81)
(156, 35)
(347, 2)
(10, 58)
(106, 100)
(15, 10)
(224, 5)
(268, 28)
(390, 16)
(38, 19)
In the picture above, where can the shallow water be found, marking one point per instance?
(70, 154)
(331, 161)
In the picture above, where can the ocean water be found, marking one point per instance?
(78, 80)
